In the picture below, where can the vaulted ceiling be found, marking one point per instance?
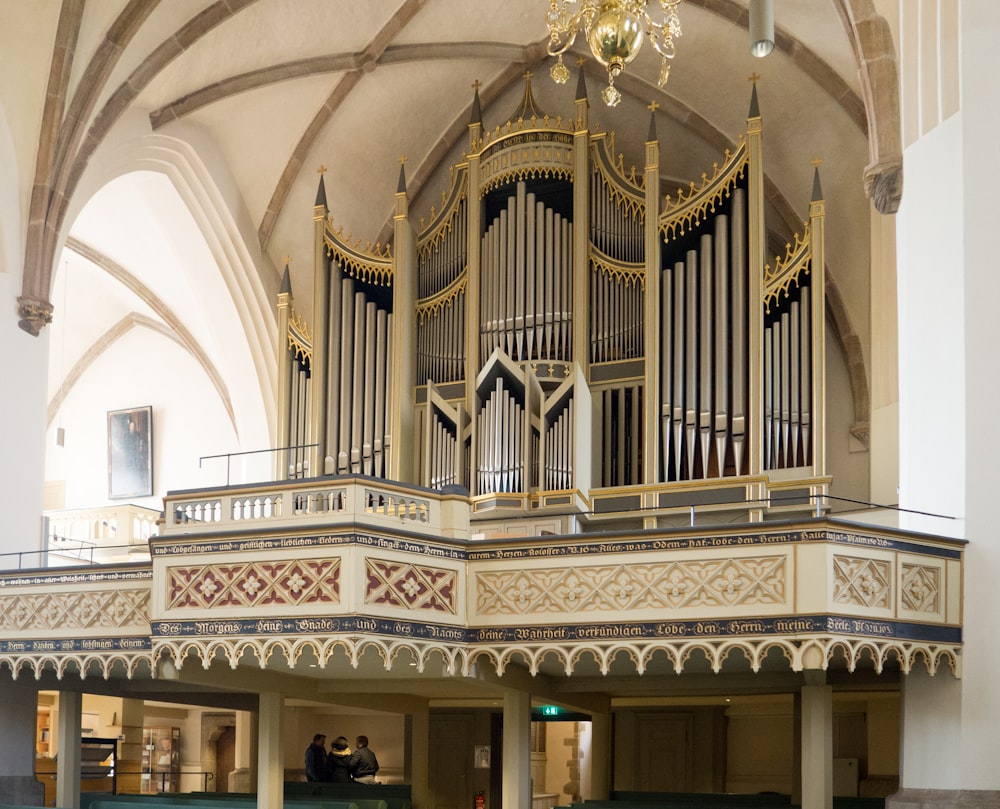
(178, 143)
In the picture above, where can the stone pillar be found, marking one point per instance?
(817, 743)
(18, 713)
(516, 782)
(418, 743)
(270, 752)
(130, 749)
(68, 765)
(600, 756)
(239, 778)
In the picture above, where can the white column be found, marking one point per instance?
(68, 764)
(516, 750)
(24, 364)
(18, 713)
(600, 756)
(948, 287)
(817, 744)
(270, 752)
(418, 743)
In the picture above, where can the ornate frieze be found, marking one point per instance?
(82, 610)
(410, 586)
(920, 587)
(254, 584)
(862, 581)
(723, 582)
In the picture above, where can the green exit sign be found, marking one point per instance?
(550, 710)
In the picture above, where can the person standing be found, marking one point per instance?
(317, 767)
(363, 763)
(340, 761)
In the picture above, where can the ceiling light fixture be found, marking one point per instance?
(761, 27)
(615, 30)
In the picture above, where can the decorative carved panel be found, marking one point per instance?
(920, 588)
(863, 582)
(249, 584)
(413, 587)
(89, 609)
(676, 585)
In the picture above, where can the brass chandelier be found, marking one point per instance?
(615, 30)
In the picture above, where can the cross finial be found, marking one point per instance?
(402, 159)
(816, 161)
(652, 106)
(288, 259)
(321, 169)
(580, 61)
(754, 77)
(476, 84)
(528, 74)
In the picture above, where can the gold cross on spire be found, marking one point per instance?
(816, 161)
(288, 259)
(754, 77)
(652, 106)
(528, 74)
(580, 61)
(321, 169)
(402, 159)
(476, 84)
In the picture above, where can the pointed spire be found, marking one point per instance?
(652, 107)
(477, 111)
(321, 191)
(754, 105)
(286, 281)
(817, 194)
(401, 185)
(581, 85)
(527, 109)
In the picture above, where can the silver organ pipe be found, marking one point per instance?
(501, 426)
(678, 363)
(787, 382)
(297, 456)
(740, 361)
(526, 281)
(706, 397)
(359, 373)
(691, 359)
(794, 384)
(381, 369)
(559, 451)
(346, 404)
(722, 358)
(357, 410)
(441, 261)
(703, 350)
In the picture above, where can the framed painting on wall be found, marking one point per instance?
(130, 453)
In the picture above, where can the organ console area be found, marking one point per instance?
(562, 336)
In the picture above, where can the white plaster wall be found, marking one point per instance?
(932, 343)
(949, 383)
(980, 750)
(189, 421)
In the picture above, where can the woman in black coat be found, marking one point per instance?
(340, 758)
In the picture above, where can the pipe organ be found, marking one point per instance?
(558, 337)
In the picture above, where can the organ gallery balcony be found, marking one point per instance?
(303, 569)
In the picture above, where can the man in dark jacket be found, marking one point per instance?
(364, 765)
(317, 768)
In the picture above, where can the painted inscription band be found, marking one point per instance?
(138, 644)
(741, 627)
(463, 552)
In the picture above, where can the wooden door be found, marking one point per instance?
(225, 758)
(450, 761)
(662, 745)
